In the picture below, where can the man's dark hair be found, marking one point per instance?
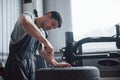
(57, 17)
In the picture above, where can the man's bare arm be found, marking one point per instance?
(30, 27)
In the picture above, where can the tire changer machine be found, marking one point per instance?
(73, 52)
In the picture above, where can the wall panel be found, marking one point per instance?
(0, 26)
(10, 10)
(57, 37)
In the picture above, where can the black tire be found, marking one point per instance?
(72, 73)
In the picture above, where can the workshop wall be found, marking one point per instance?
(9, 12)
(57, 36)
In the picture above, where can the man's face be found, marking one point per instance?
(50, 23)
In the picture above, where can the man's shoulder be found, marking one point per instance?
(28, 13)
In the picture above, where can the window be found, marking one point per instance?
(95, 18)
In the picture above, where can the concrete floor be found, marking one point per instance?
(112, 78)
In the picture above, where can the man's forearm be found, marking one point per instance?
(49, 58)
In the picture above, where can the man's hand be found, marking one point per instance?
(63, 64)
(48, 48)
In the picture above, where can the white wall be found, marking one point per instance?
(35, 4)
(57, 37)
(9, 12)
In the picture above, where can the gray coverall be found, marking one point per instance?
(20, 64)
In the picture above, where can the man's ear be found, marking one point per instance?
(49, 15)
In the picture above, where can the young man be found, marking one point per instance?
(26, 38)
